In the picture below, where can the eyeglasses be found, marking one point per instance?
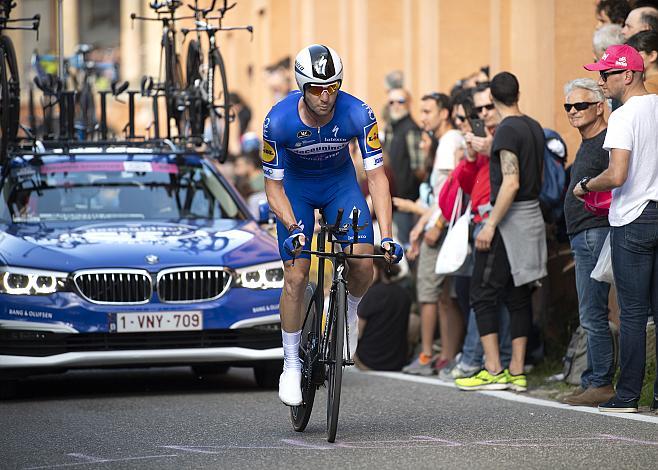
(400, 101)
(488, 107)
(582, 106)
(460, 118)
(316, 90)
(606, 73)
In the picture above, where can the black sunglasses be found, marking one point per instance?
(606, 73)
(488, 107)
(582, 106)
(460, 118)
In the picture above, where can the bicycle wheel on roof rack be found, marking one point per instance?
(220, 109)
(196, 111)
(9, 95)
(173, 80)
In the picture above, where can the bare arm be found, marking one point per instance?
(381, 199)
(612, 177)
(508, 189)
(279, 203)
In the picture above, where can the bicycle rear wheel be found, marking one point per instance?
(220, 112)
(308, 350)
(9, 95)
(335, 359)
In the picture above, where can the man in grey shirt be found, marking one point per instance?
(585, 105)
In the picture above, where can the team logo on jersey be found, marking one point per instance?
(371, 133)
(269, 151)
(303, 134)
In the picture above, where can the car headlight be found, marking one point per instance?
(22, 281)
(262, 276)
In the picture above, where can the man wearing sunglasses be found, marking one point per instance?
(485, 110)
(585, 107)
(632, 175)
(307, 135)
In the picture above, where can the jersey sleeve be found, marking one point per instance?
(368, 136)
(273, 152)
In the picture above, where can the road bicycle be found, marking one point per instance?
(80, 74)
(10, 84)
(324, 346)
(207, 98)
(173, 74)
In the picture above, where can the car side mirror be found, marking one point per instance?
(265, 215)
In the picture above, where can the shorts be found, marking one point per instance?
(428, 283)
(329, 194)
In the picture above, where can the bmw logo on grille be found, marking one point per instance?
(152, 259)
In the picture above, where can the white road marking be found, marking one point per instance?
(510, 396)
(99, 460)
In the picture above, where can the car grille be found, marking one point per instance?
(192, 284)
(124, 286)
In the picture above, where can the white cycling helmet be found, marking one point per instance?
(318, 64)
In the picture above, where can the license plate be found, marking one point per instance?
(159, 321)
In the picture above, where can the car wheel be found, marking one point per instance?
(267, 376)
(205, 370)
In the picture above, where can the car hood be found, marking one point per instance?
(145, 245)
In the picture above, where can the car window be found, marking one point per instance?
(105, 190)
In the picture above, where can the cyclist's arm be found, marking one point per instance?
(381, 199)
(278, 201)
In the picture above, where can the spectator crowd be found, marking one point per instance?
(472, 154)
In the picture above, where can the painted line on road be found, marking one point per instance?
(509, 396)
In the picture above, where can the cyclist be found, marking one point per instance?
(307, 135)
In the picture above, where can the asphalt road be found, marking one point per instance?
(169, 419)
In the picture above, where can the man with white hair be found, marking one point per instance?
(585, 106)
(640, 19)
(606, 36)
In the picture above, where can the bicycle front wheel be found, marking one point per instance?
(308, 350)
(220, 114)
(335, 360)
(9, 95)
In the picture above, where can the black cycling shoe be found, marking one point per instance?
(615, 405)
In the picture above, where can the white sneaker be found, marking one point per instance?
(290, 388)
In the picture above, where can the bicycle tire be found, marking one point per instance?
(220, 110)
(335, 360)
(308, 347)
(10, 95)
(196, 112)
(172, 79)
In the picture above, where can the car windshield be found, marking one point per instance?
(106, 190)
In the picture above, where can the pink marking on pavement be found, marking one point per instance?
(628, 439)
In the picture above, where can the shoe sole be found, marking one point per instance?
(484, 387)
(290, 404)
(618, 410)
(518, 388)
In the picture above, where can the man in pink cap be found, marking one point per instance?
(632, 175)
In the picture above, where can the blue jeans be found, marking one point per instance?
(635, 267)
(593, 308)
(472, 352)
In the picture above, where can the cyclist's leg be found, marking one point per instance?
(348, 196)
(295, 279)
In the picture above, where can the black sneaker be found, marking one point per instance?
(615, 405)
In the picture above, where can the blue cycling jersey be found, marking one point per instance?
(319, 170)
(305, 151)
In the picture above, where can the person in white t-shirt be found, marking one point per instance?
(426, 236)
(632, 175)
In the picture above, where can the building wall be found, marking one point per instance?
(435, 43)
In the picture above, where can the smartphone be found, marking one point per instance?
(477, 125)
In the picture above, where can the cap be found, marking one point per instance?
(598, 203)
(620, 57)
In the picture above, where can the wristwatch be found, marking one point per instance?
(583, 183)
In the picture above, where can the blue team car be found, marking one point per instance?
(132, 257)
